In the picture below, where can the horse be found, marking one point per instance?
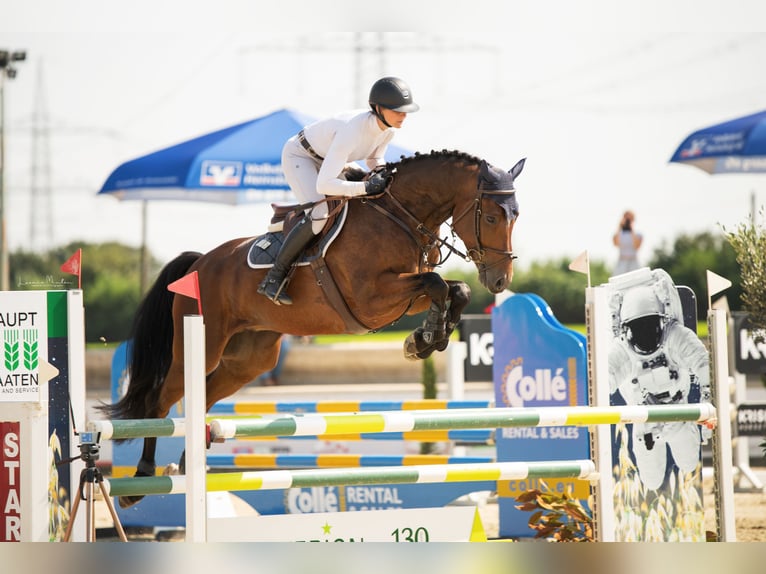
(381, 265)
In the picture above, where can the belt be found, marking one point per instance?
(307, 146)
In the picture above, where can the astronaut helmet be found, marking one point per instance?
(643, 320)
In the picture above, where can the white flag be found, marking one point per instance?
(716, 283)
(581, 264)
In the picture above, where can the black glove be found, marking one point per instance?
(377, 183)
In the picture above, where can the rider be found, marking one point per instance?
(314, 161)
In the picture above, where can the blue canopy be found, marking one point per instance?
(735, 146)
(238, 164)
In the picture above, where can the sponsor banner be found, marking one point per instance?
(476, 332)
(451, 524)
(10, 481)
(749, 354)
(23, 332)
(751, 420)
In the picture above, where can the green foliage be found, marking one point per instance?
(688, 259)
(749, 243)
(559, 517)
(110, 278)
(560, 287)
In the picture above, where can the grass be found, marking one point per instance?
(399, 336)
(391, 336)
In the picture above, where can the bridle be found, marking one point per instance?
(477, 254)
(472, 254)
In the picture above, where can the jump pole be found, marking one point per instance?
(418, 474)
(328, 425)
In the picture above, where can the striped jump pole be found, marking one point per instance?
(176, 427)
(222, 429)
(283, 479)
(272, 407)
(138, 428)
(270, 460)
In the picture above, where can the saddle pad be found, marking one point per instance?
(263, 252)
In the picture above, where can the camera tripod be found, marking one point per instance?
(89, 477)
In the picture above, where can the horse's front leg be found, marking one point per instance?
(459, 296)
(433, 334)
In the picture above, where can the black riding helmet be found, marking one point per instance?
(392, 93)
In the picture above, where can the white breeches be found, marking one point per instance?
(301, 172)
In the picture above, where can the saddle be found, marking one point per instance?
(264, 250)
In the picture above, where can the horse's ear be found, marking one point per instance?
(484, 169)
(516, 169)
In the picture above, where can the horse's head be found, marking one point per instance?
(484, 221)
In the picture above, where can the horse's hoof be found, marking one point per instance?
(410, 348)
(128, 501)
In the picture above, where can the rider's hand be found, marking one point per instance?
(376, 183)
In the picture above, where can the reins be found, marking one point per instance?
(475, 255)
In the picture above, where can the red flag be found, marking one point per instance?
(188, 285)
(73, 266)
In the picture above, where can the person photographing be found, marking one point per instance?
(628, 241)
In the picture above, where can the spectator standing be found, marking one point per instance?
(628, 241)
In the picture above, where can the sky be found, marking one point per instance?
(595, 94)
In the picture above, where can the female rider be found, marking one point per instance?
(314, 161)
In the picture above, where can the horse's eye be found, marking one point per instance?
(491, 219)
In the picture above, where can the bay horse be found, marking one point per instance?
(381, 262)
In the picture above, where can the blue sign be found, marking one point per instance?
(537, 363)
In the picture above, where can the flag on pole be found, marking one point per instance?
(73, 265)
(581, 264)
(715, 284)
(188, 285)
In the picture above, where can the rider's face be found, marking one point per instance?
(395, 119)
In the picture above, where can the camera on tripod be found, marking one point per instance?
(89, 447)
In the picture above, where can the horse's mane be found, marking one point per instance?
(455, 154)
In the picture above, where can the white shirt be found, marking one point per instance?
(346, 138)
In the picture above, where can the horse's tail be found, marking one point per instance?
(152, 346)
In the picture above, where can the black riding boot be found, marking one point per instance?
(274, 284)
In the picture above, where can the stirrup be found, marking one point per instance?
(278, 296)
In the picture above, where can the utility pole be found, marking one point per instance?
(40, 209)
(7, 70)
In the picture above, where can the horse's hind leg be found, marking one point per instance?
(170, 393)
(247, 355)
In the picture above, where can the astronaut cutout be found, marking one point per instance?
(656, 360)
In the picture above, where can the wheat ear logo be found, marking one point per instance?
(11, 350)
(31, 350)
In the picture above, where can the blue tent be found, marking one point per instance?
(734, 146)
(234, 165)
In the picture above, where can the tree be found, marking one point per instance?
(688, 259)
(560, 287)
(110, 279)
